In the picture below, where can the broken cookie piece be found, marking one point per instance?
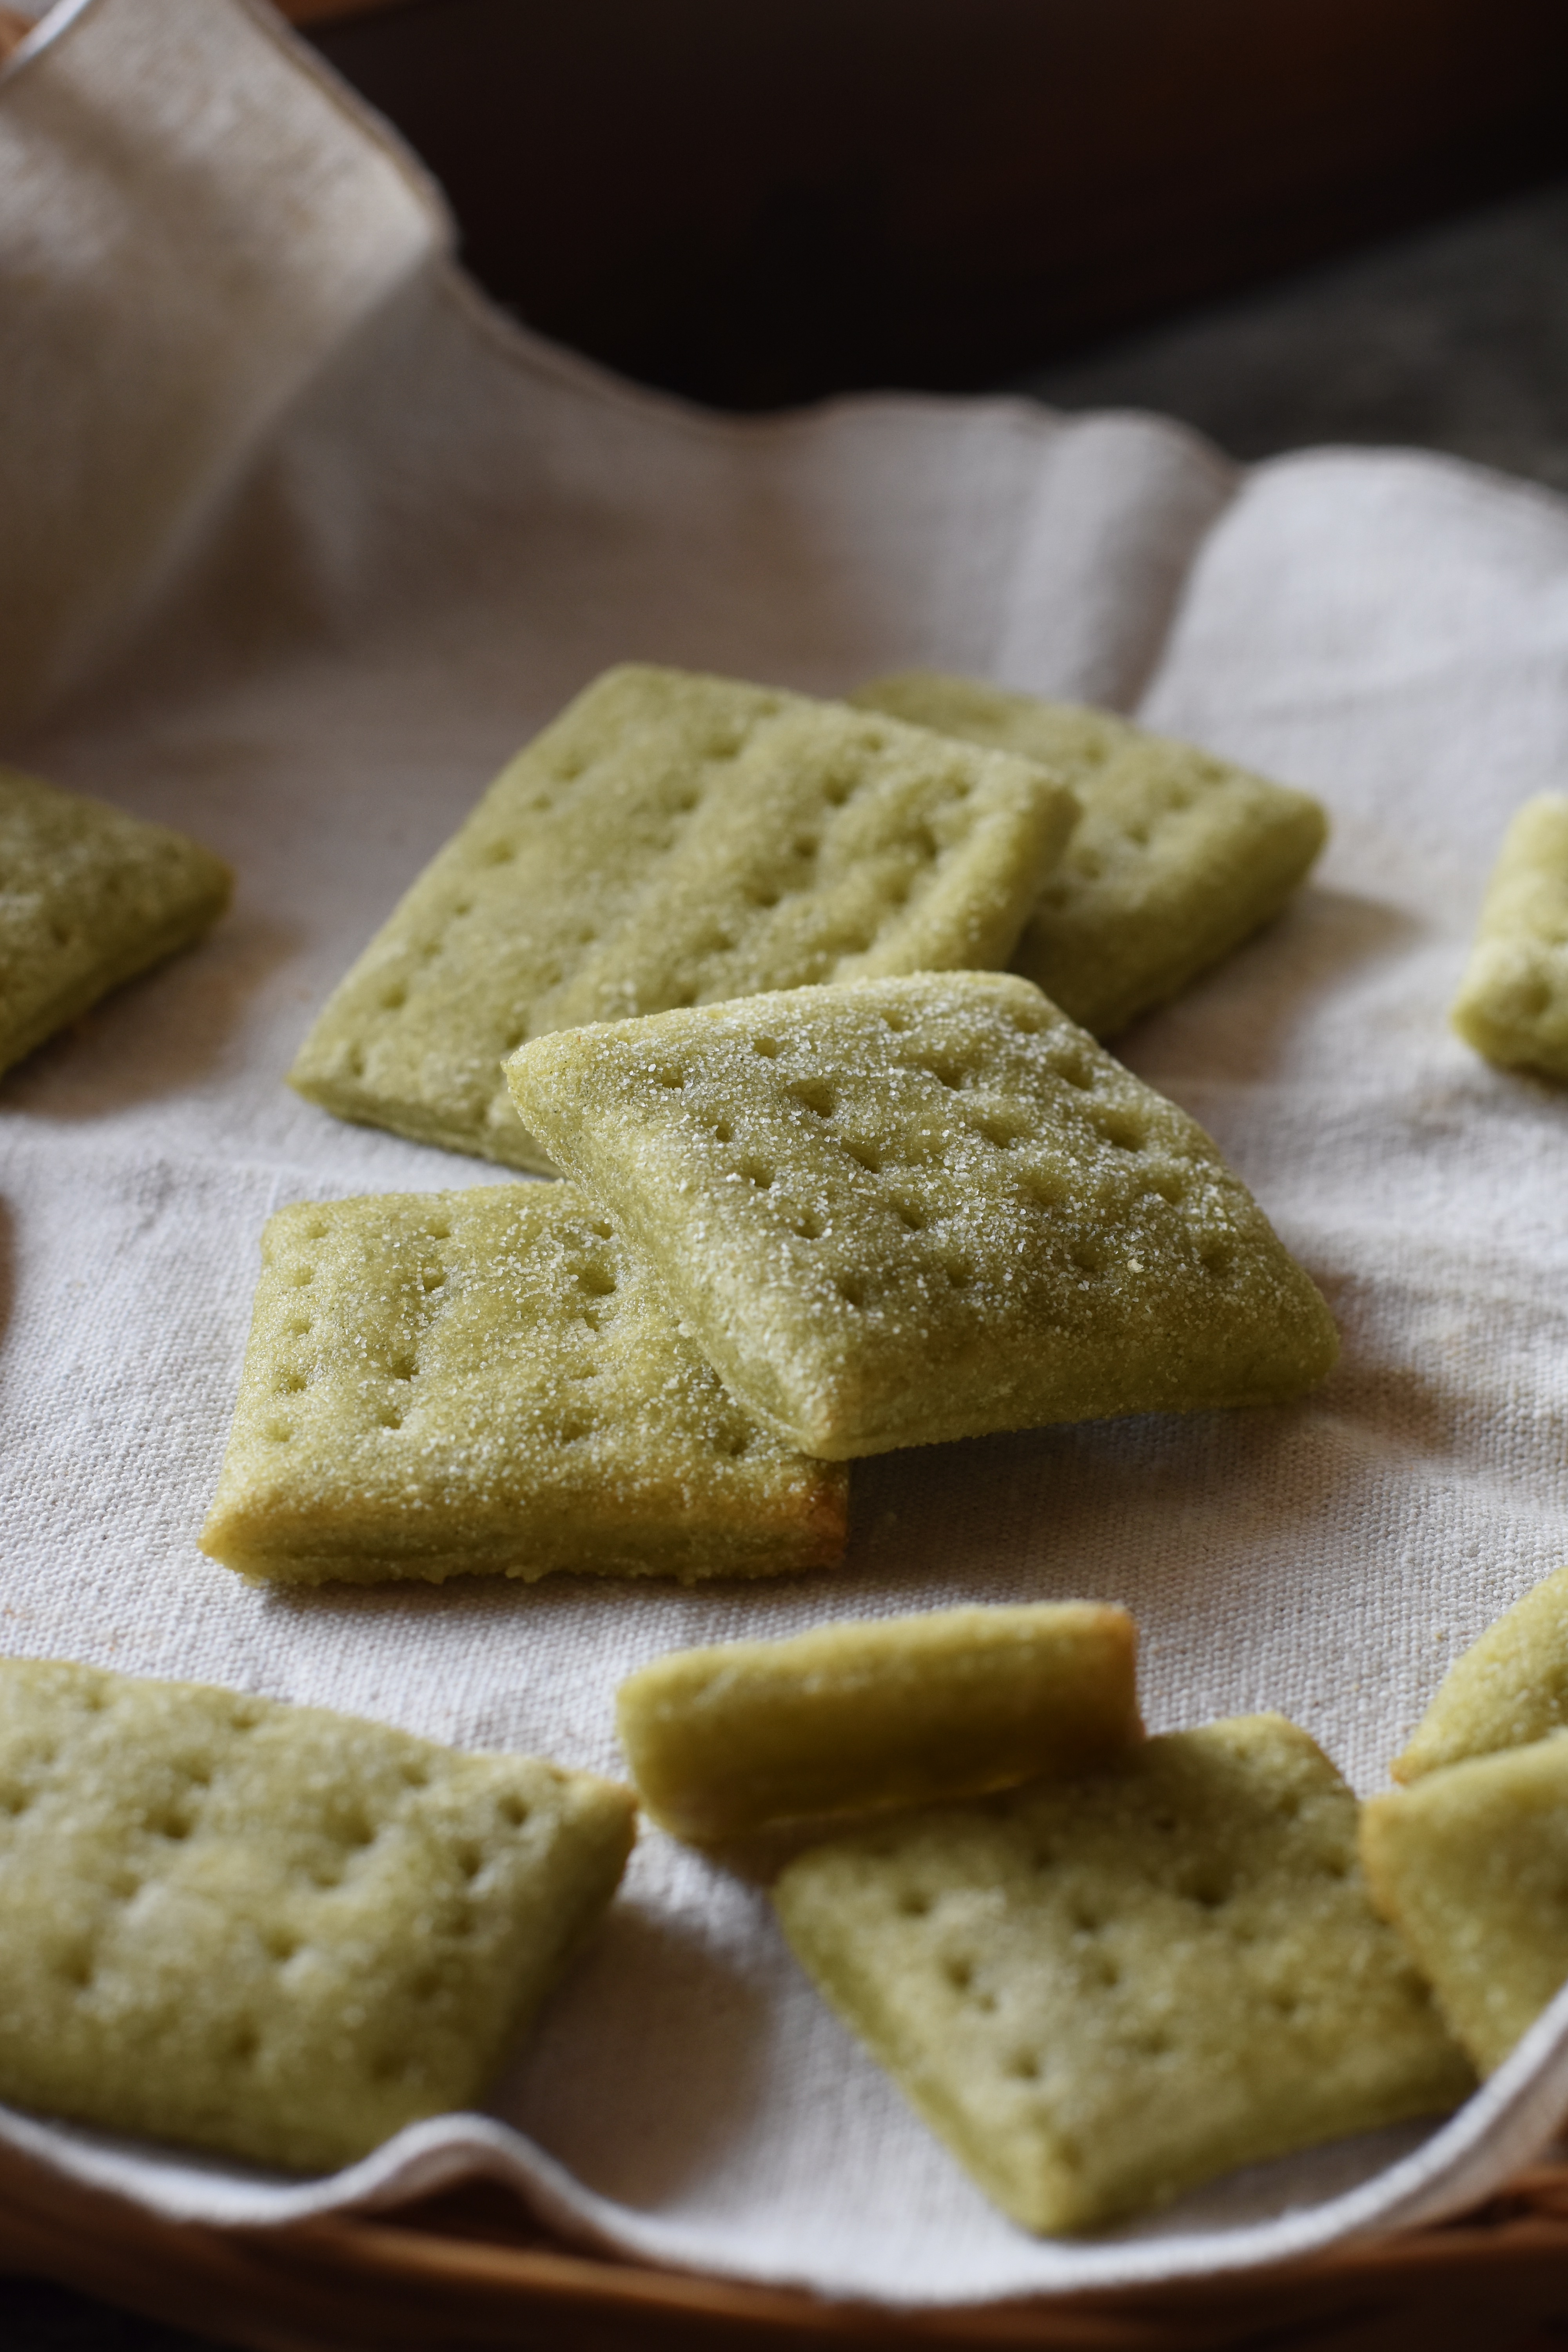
(741, 1737)
(271, 1930)
(1102, 1994)
(488, 1380)
(898, 1212)
(1177, 858)
(89, 898)
(674, 840)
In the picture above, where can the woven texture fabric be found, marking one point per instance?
(299, 541)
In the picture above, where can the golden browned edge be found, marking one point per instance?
(15, 29)
(470, 2269)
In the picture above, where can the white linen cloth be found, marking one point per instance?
(298, 541)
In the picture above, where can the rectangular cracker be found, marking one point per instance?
(901, 1211)
(446, 1383)
(1177, 858)
(1512, 1004)
(271, 1930)
(1470, 1864)
(675, 840)
(1101, 1993)
(740, 1737)
(1508, 1688)
(89, 898)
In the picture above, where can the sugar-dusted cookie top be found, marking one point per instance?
(734, 1738)
(894, 1212)
(272, 1930)
(674, 840)
(1471, 1865)
(1177, 858)
(1510, 1687)
(1513, 1005)
(1104, 1992)
(442, 1383)
(89, 898)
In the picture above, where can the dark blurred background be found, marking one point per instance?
(1284, 220)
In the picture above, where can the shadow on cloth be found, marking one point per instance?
(158, 1034)
(647, 2062)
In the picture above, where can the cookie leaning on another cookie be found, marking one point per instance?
(1102, 1994)
(740, 1737)
(487, 1381)
(898, 1212)
(1471, 1865)
(1177, 858)
(271, 1931)
(671, 840)
(89, 898)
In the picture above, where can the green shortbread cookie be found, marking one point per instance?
(1507, 1689)
(1472, 1865)
(89, 898)
(1513, 1005)
(271, 1930)
(443, 1383)
(900, 1211)
(1177, 858)
(1101, 1994)
(890, 1711)
(676, 840)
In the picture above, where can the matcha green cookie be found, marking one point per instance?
(271, 1930)
(1513, 1003)
(1101, 1993)
(894, 1212)
(1177, 858)
(89, 898)
(1471, 1865)
(445, 1382)
(675, 840)
(1508, 1688)
(889, 1711)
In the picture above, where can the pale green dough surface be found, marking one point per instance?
(272, 1930)
(898, 1212)
(674, 840)
(439, 1384)
(1177, 858)
(1513, 1005)
(89, 898)
(1102, 1994)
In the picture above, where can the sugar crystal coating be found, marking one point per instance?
(1101, 1993)
(895, 1212)
(89, 898)
(444, 1382)
(1177, 859)
(673, 840)
(270, 1930)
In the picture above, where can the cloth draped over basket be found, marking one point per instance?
(298, 540)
